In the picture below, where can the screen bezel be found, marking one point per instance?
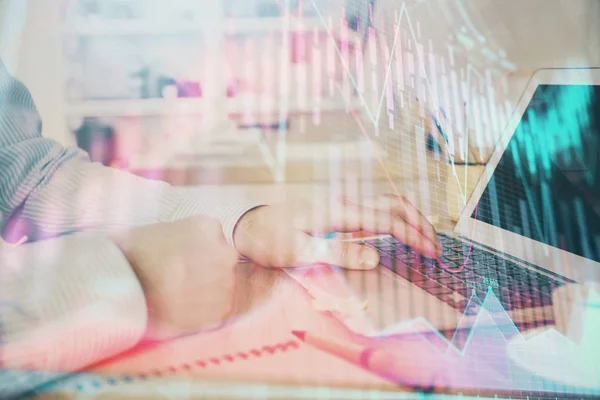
(550, 258)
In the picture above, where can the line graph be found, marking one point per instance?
(497, 355)
(375, 115)
(433, 89)
(490, 303)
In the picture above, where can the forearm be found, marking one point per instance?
(82, 196)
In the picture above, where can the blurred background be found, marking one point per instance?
(233, 92)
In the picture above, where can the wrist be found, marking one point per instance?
(125, 242)
(242, 229)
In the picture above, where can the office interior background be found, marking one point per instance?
(231, 91)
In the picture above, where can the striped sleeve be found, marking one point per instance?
(59, 191)
(84, 196)
(26, 161)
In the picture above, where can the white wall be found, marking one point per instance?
(534, 33)
(547, 33)
(13, 14)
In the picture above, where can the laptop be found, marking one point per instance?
(531, 225)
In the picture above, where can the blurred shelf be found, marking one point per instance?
(128, 107)
(253, 169)
(233, 27)
(252, 105)
(249, 154)
(299, 172)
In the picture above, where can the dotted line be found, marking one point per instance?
(97, 382)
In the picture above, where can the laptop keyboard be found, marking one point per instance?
(515, 287)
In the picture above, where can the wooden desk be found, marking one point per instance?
(257, 287)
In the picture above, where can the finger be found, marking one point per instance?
(411, 214)
(377, 221)
(389, 214)
(351, 255)
(341, 217)
(410, 236)
(415, 220)
(349, 217)
(335, 252)
(352, 218)
(333, 216)
(384, 214)
(396, 215)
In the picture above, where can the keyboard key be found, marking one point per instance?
(446, 298)
(378, 242)
(424, 269)
(467, 275)
(399, 269)
(387, 261)
(391, 239)
(546, 300)
(407, 257)
(460, 306)
(391, 252)
(386, 246)
(438, 290)
(457, 284)
(417, 277)
(465, 292)
(447, 279)
(428, 284)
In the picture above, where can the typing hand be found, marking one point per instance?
(186, 269)
(278, 235)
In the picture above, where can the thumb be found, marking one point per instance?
(330, 251)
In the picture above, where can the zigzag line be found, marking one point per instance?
(373, 119)
(451, 343)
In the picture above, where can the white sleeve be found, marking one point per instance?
(66, 303)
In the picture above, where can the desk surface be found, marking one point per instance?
(268, 305)
(431, 187)
(258, 289)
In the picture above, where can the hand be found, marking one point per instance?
(277, 236)
(186, 270)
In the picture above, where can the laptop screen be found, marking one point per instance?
(547, 184)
